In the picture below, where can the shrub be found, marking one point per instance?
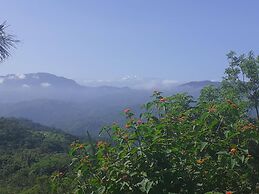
(175, 146)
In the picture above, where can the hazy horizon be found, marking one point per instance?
(133, 82)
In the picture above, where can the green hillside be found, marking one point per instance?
(29, 154)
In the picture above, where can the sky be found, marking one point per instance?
(181, 40)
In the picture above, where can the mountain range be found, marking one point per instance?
(63, 103)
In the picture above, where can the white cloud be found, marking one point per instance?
(20, 76)
(1, 80)
(16, 76)
(45, 84)
(135, 83)
(11, 77)
(26, 86)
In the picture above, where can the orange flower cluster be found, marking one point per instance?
(77, 145)
(249, 126)
(201, 161)
(101, 144)
(212, 109)
(232, 104)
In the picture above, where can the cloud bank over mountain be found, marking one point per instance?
(135, 82)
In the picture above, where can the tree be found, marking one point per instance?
(7, 41)
(242, 78)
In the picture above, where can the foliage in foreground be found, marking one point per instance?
(174, 147)
(178, 145)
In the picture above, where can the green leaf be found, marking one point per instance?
(222, 153)
(79, 173)
(145, 185)
(233, 163)
(242, 158)
(203, 145)
(101, 189)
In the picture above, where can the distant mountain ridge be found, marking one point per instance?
(48, 80)
(32, 86)
(63, 103)
(200, 84)
(37, 80)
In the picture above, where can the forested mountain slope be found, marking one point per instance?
(29, 154)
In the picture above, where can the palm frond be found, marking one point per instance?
(7, 41)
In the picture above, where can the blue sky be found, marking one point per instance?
(106, 39)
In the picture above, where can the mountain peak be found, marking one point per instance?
(41, 79)
(200, 83)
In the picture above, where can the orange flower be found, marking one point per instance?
(127, 110)
(200, 161)
(212, 109)
(162, 100)
(139, 122)
(127, 126)
(101, 143)
(233, 151)
(126, 137)
(229, 192)
(81, 146)
(181, 119)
